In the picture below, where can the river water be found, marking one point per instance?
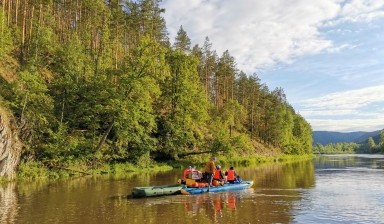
(327, 189)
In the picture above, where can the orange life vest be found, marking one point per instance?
(231, 175)
(217, 175)
(186, 172)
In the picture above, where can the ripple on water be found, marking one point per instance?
(343, 195)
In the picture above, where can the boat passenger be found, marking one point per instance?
(218, 175)
(238, 180)
(187, 171)
(209, 170)
(231, 175)
(196, 175)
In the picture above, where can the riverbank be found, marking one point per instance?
(36, 171)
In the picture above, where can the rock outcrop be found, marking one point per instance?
(10, 145)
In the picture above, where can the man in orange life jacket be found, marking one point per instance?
(231, 175)
(218, 175)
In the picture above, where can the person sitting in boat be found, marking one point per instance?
(209, 170)
(238, 180)
(218, 175)
(231, 175)
(187, 172)
(196, 175)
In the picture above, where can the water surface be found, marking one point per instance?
(329, 189)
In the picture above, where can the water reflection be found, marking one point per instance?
(354, 160)
(211, 205)
(287, 176)
(102, 199)
(331, 189)
(349, 189)
(8, 203)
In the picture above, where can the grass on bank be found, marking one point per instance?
(33, 170)
(238, 161)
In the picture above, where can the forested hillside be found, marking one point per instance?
(98, 81)
(353, 142)
(327, 137)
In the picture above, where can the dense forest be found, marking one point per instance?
(327, 137)
(369, 146)
(99, 81)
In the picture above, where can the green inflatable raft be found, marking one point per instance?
(140, 192)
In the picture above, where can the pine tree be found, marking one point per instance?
(183, 105)
(182, 41)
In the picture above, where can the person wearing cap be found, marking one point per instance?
(209, 170)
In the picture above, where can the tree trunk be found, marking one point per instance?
(9, 12)
(10, 146)
(102, 140)
(31, 28)
(23, 33)
(3, 19)
(16, 11)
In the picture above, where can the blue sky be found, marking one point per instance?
(327, 55)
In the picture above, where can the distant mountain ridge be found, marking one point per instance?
(327, 137)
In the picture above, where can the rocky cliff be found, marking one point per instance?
(10, 145)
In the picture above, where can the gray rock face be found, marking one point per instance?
(10, 146)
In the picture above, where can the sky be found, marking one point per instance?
(327, 55)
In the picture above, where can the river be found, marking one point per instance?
(327, 189)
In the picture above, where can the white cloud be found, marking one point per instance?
(372, 124)
(362, 10)
(347, 100)
(326, 112)
(261, 33)
(337, 49)
(346, 111)
(257, 33)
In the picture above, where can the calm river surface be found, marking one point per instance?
(328, 189)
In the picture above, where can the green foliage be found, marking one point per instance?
(34, 107)
(32, 170)
(381, 140)
(302, 135)
(43, 47)
(242, 145)
(182, 41)
(221, 141)
(183, 106)
(101, 84)
(140, 87)
(336, 148)
(371, 143)
(6, 43)
(369, 147)
(233, 115)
